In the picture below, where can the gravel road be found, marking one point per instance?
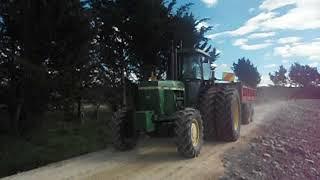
(157, 158)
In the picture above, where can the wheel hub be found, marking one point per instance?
(235, 114)
(195, 135)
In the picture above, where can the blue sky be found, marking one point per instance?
(268, 32)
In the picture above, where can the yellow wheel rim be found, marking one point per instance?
(195, 132)
(235, 115)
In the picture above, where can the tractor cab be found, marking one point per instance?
(195, 70)
(194, 65)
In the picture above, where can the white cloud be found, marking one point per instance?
(305, 15)
(210, 3)
(309, 50)
(285, 61)
(223, 68)
(220, 42)
(270, 66)
(251, 10)
(284, 51)
(275, 4)
(269, 41)
(223, 65)
(215, 26)
(266, 55)
(240, 42)
(214, 36)
(289, 40)
(255, 46)
(317, 39)
(261, 35)
(265, 81)
(243, 44)
(250, 26)
(202, 24)
(253, 24)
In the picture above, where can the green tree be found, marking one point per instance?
(246, 72)
(303, 75)
(144, 31)
(48, 41)
(134, 37)
(279, 77)
(47, 59)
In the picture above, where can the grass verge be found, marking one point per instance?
(58, 142)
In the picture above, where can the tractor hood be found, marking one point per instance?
(164, 85)
(159, 96)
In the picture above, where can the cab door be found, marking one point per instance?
(192, 76)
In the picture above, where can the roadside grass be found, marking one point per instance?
(57, 141)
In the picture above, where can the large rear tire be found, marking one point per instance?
(123, 135)
(189, 132)
(207, 109)
(228, 113)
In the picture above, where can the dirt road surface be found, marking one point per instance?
(157, 158)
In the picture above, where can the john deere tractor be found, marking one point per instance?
(189, 106)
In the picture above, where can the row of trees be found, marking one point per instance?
(298, 76)
(55, 54)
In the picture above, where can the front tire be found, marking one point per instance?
(123, 135)
(189, 132)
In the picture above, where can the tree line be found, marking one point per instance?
(297, 76)
(54, 55)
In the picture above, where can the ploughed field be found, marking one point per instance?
(283, 142)
(288, 148)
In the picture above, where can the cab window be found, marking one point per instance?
(191, 67)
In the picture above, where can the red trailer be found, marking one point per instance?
(247, 96)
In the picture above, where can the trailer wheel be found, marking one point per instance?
(246, 113)
(189, 132)
(228, 111)
(123, 135)
(252, 112)
(207, 109)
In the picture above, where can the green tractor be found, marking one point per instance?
(189, 106)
